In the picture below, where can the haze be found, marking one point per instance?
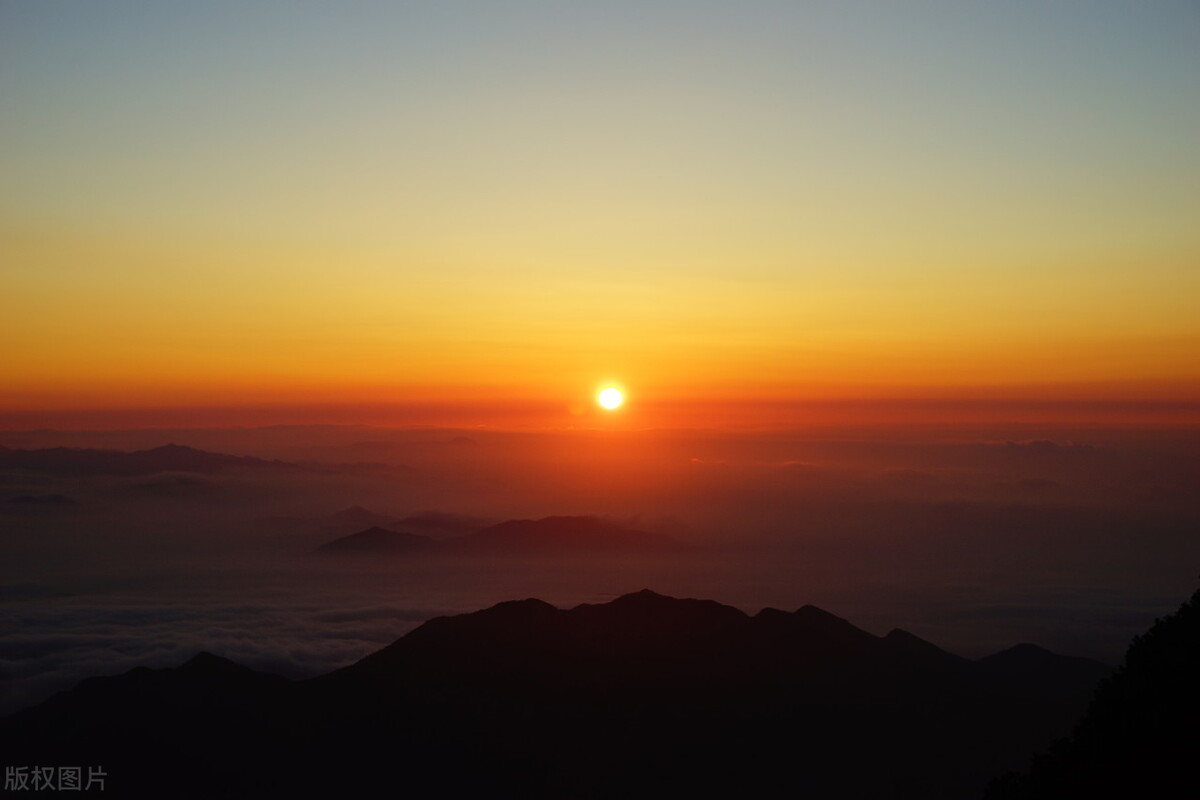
(902, 301)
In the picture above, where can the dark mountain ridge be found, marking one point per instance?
(642, 696)
(71, 461)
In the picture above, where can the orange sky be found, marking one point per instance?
(783, 207)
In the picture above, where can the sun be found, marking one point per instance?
(610, 397)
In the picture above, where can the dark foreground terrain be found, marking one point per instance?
(645, 696)
(1139, 737)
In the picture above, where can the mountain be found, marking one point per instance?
(377, 541)
(339, 523)
(441, 523)
(168, 458)
(643, 696)
(435, 524)
(550, 536)
(1139, 736)
(1028, 662)
(562, 536)
(356, 517)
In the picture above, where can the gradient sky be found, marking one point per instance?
(226, 203)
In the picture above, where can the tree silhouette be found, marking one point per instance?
(1141, 733)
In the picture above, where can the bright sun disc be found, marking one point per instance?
(610, 397)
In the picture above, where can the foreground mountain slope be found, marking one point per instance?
(1139, 737)
(644, 696)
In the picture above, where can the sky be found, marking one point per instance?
(507, 205)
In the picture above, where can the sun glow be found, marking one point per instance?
(610, 397)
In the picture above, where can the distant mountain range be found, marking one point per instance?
(436, 524)
(348, 520)
(644, 696)
(378, 541)
(583, 535)
(71, 461)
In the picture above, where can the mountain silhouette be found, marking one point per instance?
(549, 536)
(1028, 662)
(356, 516)
(643, 696)
(376, 541)
(1139, 737)
(441, 523)
(340, 523)
(70, 461)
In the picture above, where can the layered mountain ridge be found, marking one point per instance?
(551, 536)
(639, 696)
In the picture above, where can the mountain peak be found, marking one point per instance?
(913, 646)
(529, 604)
(207, 663)
(1029, 659)
(643, 596)
(649, 601)
(376, 540)
(172, 448)
(809, 611)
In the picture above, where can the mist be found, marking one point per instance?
(975, 539)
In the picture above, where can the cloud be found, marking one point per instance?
(374, 612)
(148, 576)
(55, 647)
